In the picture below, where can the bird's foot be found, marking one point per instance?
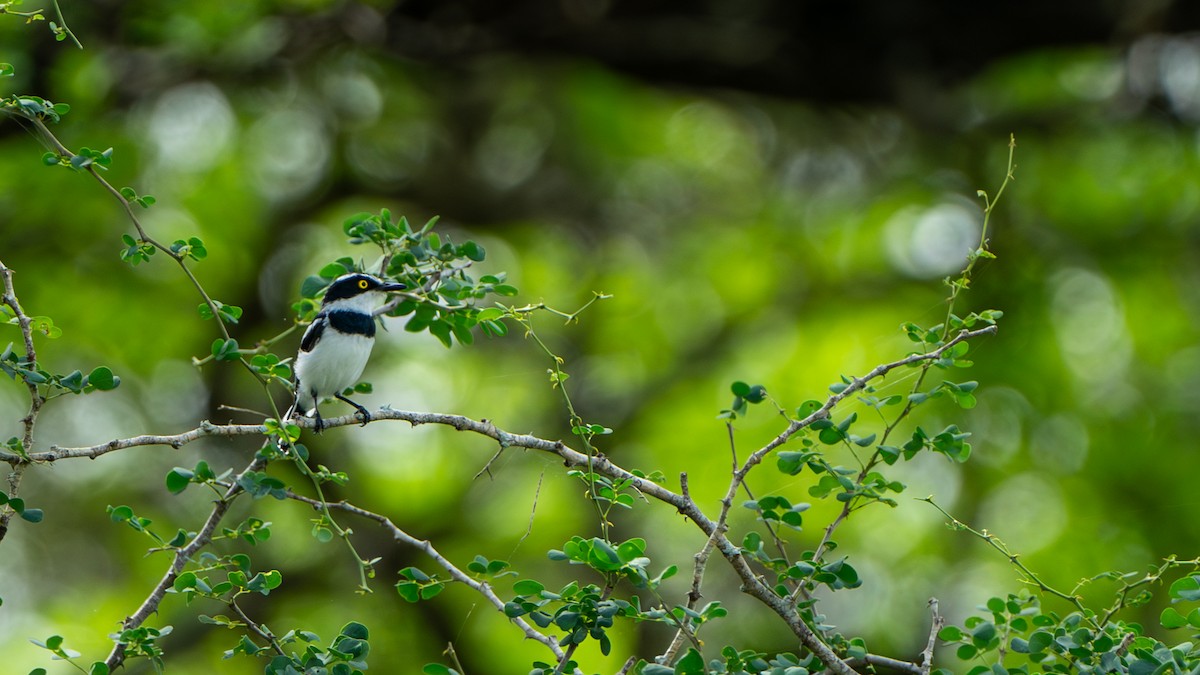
(363, 416)
(359, 411)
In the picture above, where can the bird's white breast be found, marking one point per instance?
(336, 362)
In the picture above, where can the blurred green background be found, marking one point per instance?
(767, 189)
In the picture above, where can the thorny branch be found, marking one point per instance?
(683, 502)
(426, 547)
(35, 397)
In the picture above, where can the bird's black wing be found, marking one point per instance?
(313, 335)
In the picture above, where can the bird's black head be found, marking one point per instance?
(352, 285)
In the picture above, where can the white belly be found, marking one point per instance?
(334, 364)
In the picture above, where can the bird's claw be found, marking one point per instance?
(363, 416)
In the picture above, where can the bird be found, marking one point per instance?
(337, 344)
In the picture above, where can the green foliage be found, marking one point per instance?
(743, 394)
(91, 159)
(831, 453)
(131, 196)
(734, 661)
(442, 295)
(55, 644)
(179, 478)
(142, 642)
(136, 251)
(17, 505)
(49, 385)
(415, 585)
(33, 107)
(1037, 640)
(192, 248)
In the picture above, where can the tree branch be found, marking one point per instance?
(700, 563)
(751, 584)
(426, 547)
(35, 397)
(182, 556)
(259, 630)
(935, 626)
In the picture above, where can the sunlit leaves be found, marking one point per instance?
(581, 611)
(442, 295)
(743, 395)
(33, 107)
(415, 585)
(88, 158)
(225, 349)
(228, 313)
(192, 248)
(136, 251)
(130, 195)
(1017, 622)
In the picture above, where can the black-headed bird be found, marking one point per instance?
(336, 346)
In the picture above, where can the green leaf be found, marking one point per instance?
(1186, 588)
(473, 251)
(225, 350)
(629, 550)
(1040, 641)
(528, 587)
(692, 663)
(983, 633)
(950, 634)
(312, 285)
(603, 557)
(411, 592)
(33, 515)
(807, 408)
(332, 271)
(102, 378)
(1171, 618)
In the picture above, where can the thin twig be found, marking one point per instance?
(1031, 577)
(935, 627)
(877, 661)
(700, 563)
(259, 630)
(36, 400)
(426, 547)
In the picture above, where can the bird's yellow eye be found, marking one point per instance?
(362, 283)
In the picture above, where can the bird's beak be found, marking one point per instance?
(388, 288)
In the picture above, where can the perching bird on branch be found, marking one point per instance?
(335, 348)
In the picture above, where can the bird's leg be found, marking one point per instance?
(320, 424)
(361, 413)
